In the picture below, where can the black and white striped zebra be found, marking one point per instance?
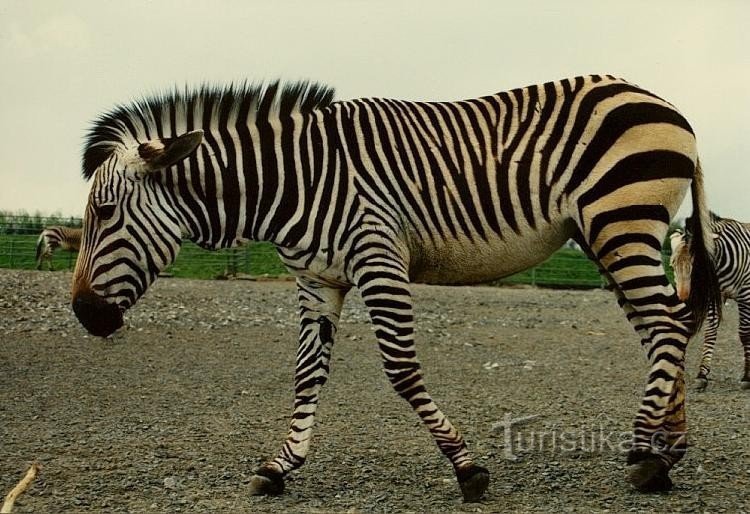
(52, 238)
(375, 194)
(732, 262)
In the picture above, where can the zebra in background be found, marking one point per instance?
(376, 193)
(732, 262)
(53, 238)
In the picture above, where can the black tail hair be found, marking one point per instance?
(704, 284)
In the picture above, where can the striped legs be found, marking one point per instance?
(631, 258)
(46, 257)
(709, 340)
(712, 326)
(319, 310)
(385, 290)
(743, 303)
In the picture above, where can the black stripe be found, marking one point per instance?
(434, 113)
(630, 213)
(430, 144)
(210, 175)
(480, 168)
(229, 177)
(623, 239)
(523, 177)
(633, 260)
(614, 125)
(407, 128)
(586, 110)
(463, 139)
(639, 167)
(269, 165)
(569, 95)
(399, 174)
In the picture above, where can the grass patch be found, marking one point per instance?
(567, 268)
(19, 252)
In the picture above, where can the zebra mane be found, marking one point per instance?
(170, 114)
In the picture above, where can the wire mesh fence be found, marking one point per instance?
(19, 237)
(567, 268)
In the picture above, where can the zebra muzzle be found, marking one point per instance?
(97, 316)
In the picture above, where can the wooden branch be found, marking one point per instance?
(20, 488)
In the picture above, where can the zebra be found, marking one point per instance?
(376, 193)
(52, 238)
(732, 262)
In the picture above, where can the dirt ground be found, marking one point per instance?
(174, 413)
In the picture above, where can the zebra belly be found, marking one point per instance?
(463, 261)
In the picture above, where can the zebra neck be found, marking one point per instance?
(267, 181)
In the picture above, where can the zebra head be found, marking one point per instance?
(131, 230)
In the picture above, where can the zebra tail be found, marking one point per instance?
(704, 284)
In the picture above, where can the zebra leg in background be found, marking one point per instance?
(709, 340)
(319, 311)
(743, 303)
(384, 287)
(46, 257)
(632, 260)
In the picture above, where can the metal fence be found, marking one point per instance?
(18, 236)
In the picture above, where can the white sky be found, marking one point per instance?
(64, 62)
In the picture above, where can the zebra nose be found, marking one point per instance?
(96, 315)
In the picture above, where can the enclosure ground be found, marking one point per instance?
(175, 412)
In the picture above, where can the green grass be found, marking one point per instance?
(253, 259)
(19, 252)
(567, 268)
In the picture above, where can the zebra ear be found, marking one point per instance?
(162, 153)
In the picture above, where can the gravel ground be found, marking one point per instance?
(175, 412)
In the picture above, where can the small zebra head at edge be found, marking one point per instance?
(130, 231)
(681, 262)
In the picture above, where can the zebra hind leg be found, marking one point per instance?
(709, 341)
(630, 254)
(319, 310)
(45, 258)
(743, 303)
(49, 252)
(385, 291)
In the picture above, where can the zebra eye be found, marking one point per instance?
(104, 212)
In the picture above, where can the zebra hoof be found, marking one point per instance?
(745, 384)
(473, 481)
(266, 483)
(701, 384)
(650, 476)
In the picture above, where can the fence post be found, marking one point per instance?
(11, 253)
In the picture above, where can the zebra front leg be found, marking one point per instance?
(743, 303)
(319, 310)
(386, 294)
(709, 340)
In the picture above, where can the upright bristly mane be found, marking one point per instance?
(170, 114)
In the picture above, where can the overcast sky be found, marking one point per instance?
(64, 62)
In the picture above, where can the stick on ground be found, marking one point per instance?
(20, 488)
